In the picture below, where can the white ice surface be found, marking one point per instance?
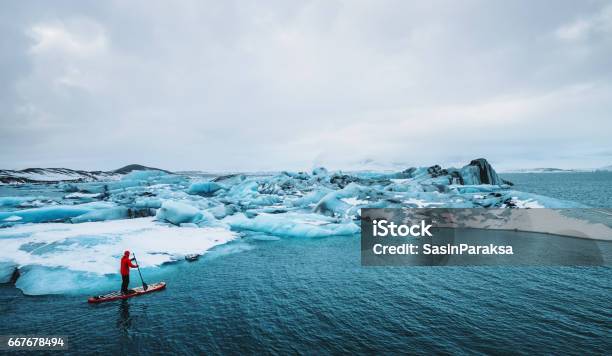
(293, 225)
(527, 203)
(96, 247)
(354, 201)
(78, 195)
(421, 203)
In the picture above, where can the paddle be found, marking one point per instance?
(144, 285)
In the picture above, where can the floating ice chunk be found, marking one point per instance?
(330, 205)
(401, 181)
(101, 215)
(311, 198)
(143, 175)
(15, 201)
(178, 213)
(68, 187)
(354, 201)
(298, 175)
(418, 173)
(479, 171)
(78, 195)
(443, 180)
(221, 211)
(147, 203)
(136, 180)
(292, 225)
(55, 213)
(403, 187)
(527, 204)
(470, 175)
(245, 188)
(204, 188)
(421, 203)
(320, 171)
(481, 188)
(333, 205)
(228, 249)
(13, 218)
(114, 187)
(7, 269)
(262, 200)
(209, 220)
(170, 179)
(230, 179)
(87, 187)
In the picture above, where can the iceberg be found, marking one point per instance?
(204, 188)
(320, 171)
(479, 171)
(310, 199)
(152, 203)
(112, 214)
(293, 225)
(53, 213)
(178, 213)
(7, 271)
(14, 201)
(143, 175)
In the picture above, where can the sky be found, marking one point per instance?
(272, 85)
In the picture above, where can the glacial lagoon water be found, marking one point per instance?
(266, 294)
(590, 188)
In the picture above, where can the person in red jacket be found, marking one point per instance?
(126, 264)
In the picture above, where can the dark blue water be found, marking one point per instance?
(300, 295)
(312, 296)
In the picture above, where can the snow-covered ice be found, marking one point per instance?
(94, 248)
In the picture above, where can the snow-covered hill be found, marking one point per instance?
(54, 175)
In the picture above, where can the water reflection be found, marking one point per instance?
(124, 322)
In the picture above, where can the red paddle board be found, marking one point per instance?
(136, 292)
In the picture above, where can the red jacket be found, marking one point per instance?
(126, 264)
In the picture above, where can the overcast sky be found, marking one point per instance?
(266, 85)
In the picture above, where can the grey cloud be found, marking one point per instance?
(244, 85)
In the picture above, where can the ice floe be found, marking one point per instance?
(94, 248)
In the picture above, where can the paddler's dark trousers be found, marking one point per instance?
(125, 282)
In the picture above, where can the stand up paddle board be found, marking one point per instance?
(136, 292)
